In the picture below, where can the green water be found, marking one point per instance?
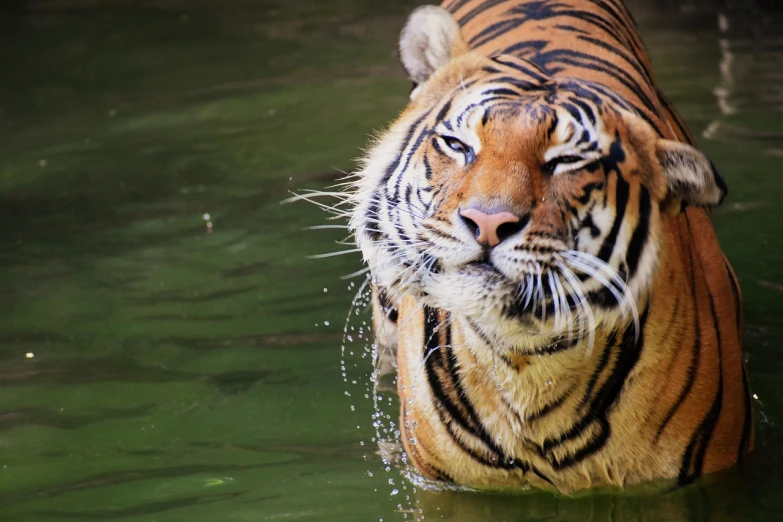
(160, 364)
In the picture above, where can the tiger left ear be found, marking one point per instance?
(690, 175)
(429, 40)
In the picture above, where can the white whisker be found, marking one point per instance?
(333, 254)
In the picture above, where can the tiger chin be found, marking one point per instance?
(536, 223)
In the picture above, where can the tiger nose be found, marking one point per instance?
(491, 229)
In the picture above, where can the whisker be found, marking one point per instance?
(333, 254)
(354, 274)
(584, 305)
(555, 302)
(326, 227)
(595, 267)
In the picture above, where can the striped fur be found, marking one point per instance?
(599, 344)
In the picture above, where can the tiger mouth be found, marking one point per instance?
(550, 295)
(484, 264)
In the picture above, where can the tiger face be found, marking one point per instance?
(526, 205)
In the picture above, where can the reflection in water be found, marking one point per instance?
(182, 372)
(751, 56)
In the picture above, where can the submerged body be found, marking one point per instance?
(536, 229)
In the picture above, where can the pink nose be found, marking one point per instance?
(489, 228)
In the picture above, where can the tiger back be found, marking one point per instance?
(537, 227)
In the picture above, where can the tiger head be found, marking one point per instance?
(531, 206)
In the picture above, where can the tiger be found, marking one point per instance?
(536, 224)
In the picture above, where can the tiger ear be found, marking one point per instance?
(690, 175)
(429, 40)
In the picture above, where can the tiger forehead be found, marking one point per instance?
(534, 115)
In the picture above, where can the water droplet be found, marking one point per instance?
(326, 290)
(30, 355)
(326, 323)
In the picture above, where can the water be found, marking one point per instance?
(159, 366)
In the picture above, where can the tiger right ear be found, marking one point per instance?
(691, 177)
(429, 40)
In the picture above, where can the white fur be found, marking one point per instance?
(426, 41)
(688, 173)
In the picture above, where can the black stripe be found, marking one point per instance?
(397, 222)
(502, 91)
(630, 33)
(437, 147)
(552, 125)
(692, 367)
(528, 68)
(572, 110)
(611, 164)
(427, 168)
(593, 63)
(603, 362)
(549, 408)
(439, 233)
(473, 13)
(455, 6)
(494, 31)
(388, 309)
(628, 352)
(632, 61)
(586, 108)
(570, 29)
(593, 91)
(556, 347)
(588, 449)
(463, 414)
(517, 49)
(372, 219)
(444, 110)
(396, 163)
(540, 475)
(640, 233)
(425, 132)
(587, 192)
(478, 331)
(693, 460)
(597, 22)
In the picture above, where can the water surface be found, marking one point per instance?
(167, 350)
